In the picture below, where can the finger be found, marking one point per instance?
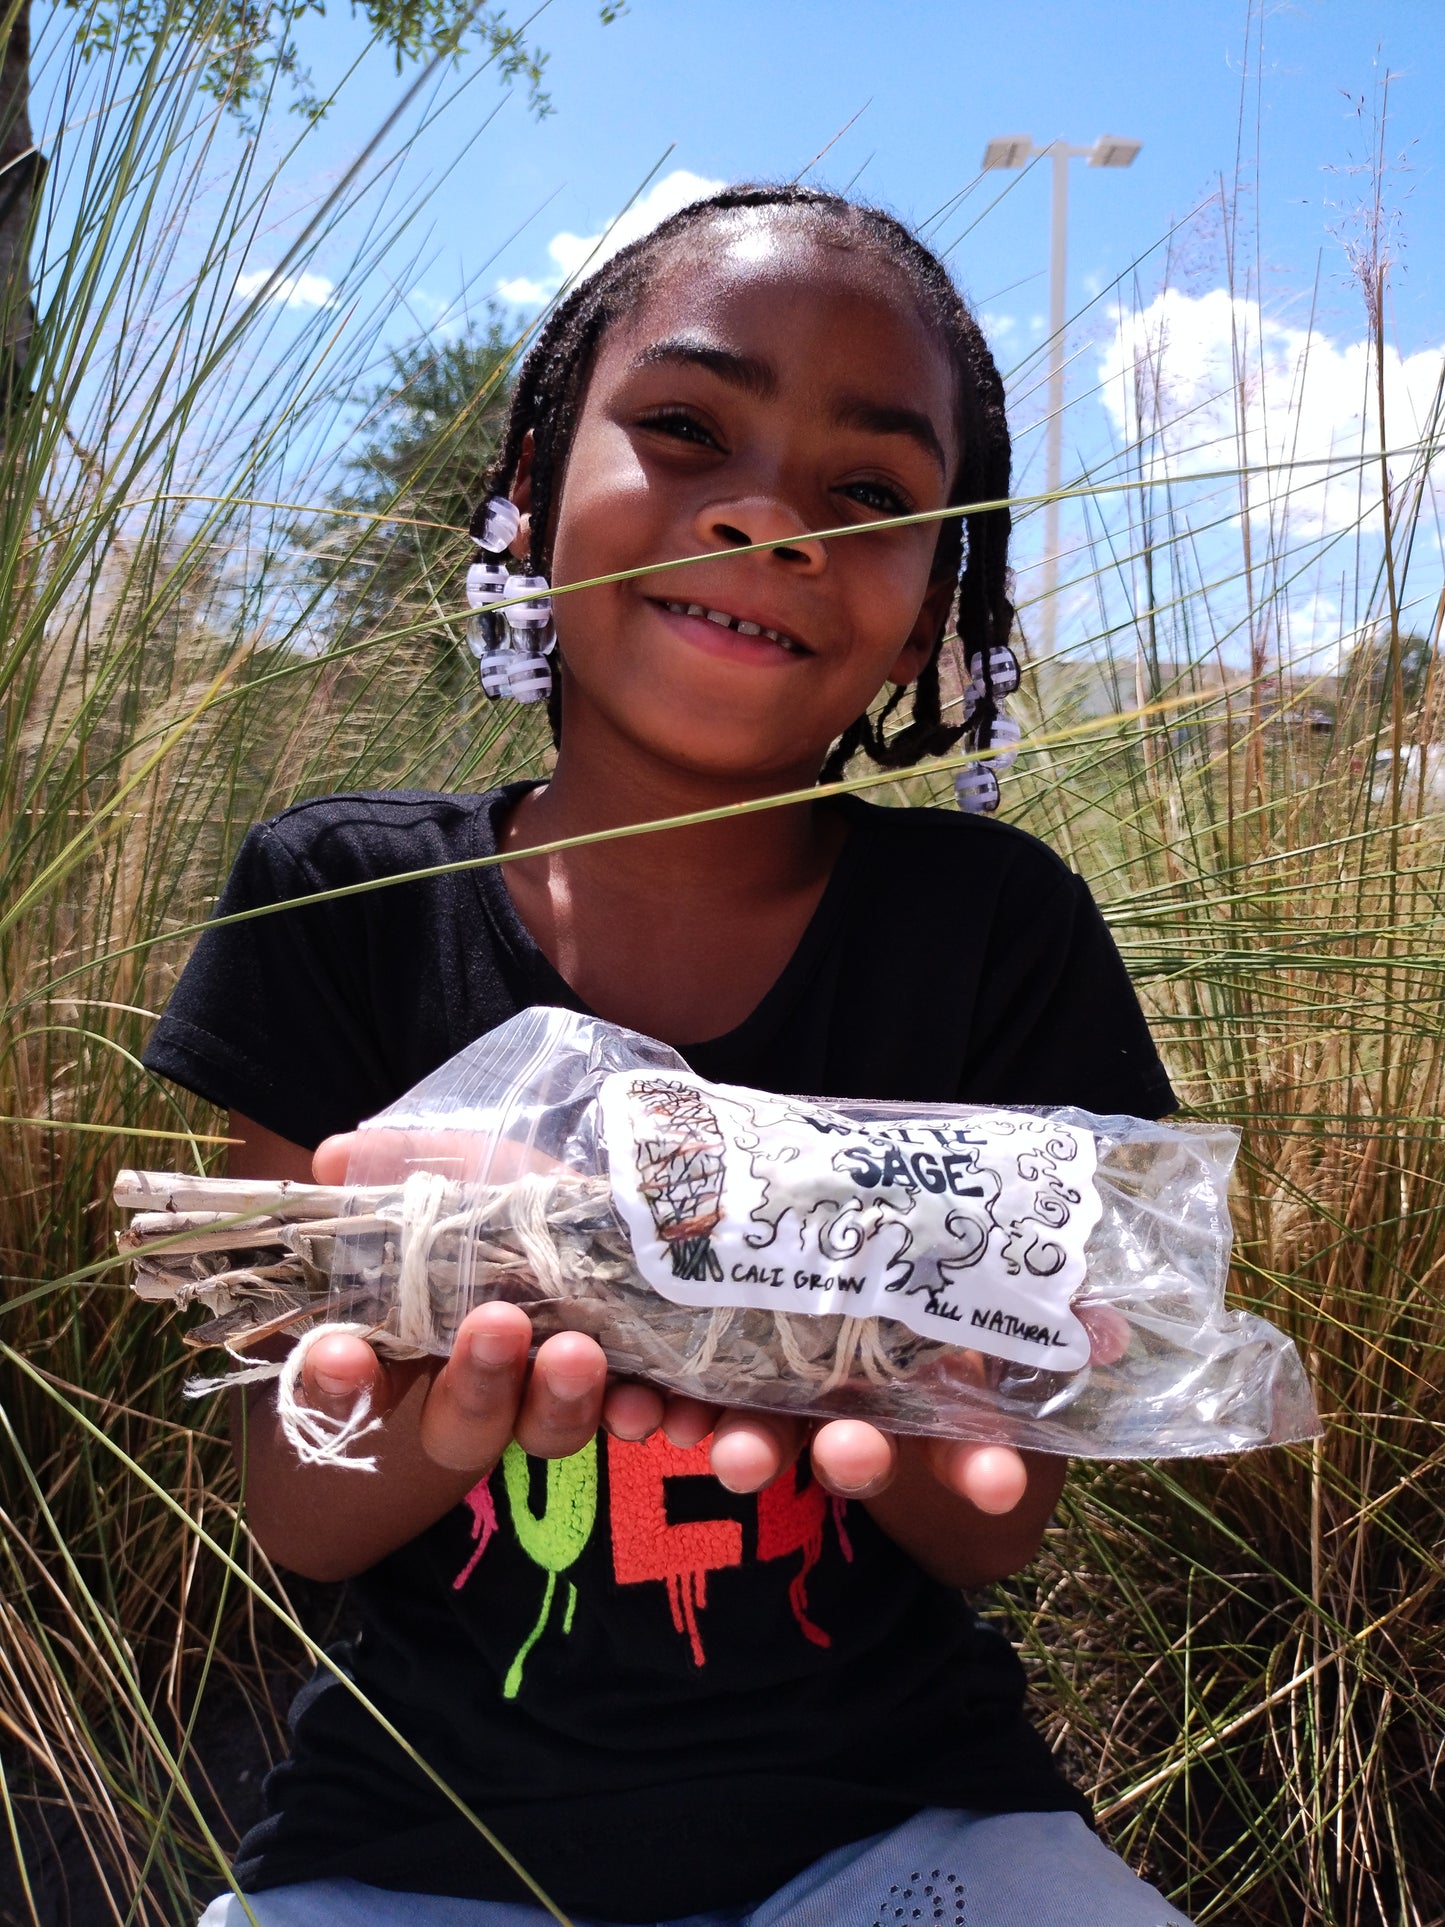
(338, 1368)
(750, 1449)
(1108, 1329)
(331, 1157)
(470, 1411)
(562, 1404)
(631, 1411)
(992, 1477)
(687, 1421)
(853, 1459)
(381, 1156)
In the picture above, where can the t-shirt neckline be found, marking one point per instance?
(761, 1022)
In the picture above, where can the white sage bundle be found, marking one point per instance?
(1049, 1279)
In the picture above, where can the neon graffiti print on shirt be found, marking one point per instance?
(970, 1231)
(788, 1521)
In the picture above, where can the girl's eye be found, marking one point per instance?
(878, 496)
(681, 425)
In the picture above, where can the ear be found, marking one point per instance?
(522, 493)
(932, 614)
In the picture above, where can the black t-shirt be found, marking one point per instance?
(661, 1696)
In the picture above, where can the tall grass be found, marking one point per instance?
(162, 688)
(1242, 1660)
(1245, 1660)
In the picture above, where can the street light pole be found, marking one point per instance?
(1016, 150)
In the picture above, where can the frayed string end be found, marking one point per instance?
(253, 1372)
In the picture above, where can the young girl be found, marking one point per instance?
(686, 1664)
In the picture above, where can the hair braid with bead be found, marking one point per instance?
(551, 384)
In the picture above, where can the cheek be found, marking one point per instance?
(887, 591)
(603, 502)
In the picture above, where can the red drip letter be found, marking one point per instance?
(646, 1546)
(790, 1520)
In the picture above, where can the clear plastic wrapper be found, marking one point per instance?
(1049, 1279)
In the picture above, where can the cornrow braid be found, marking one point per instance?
(972, 549)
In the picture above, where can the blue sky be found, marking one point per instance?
(758, 87)
(1277, 100)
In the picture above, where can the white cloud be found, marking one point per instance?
(1210, 380)
(576, 254)
(292, 290)
(523, 293)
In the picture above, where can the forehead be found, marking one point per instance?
(828, 315)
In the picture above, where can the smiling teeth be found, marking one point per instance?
(725, 621)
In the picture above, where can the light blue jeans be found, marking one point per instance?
(939, 1869)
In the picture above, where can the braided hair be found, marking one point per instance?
(551, 385)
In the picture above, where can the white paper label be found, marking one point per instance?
(969, 1230)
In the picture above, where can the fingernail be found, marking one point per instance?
(329, 1385)
(846, 1491)
(739, 1469)
(568, 1387)
(491, 1350)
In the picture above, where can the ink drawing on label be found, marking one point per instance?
(969, 1229)
(678, 1159)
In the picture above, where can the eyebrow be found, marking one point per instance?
(749, 372)
(759, 378)
(878, 418)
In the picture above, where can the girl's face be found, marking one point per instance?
(768, 384)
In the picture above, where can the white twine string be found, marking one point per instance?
(316, 1437)
(530, 1197)
(421, 1202)
(798, 1361)
(858, 1342)
(701, 1357)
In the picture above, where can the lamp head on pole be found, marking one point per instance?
(1113, 150)
(1010, 150)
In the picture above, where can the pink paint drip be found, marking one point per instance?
(840, 1507)
(483, 1508)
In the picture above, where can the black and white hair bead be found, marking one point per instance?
(991, 679)
(509, 629)
(501, 522)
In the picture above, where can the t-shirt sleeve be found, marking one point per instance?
(1058, 1019)
(273, 1016)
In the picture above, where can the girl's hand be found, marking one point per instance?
(487, 1392)
(850, 1458)
(968, 1514)
(480, 1398)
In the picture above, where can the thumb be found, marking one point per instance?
(338, 1368)
(331, 1157)
(382, 1155)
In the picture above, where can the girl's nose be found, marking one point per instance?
(760, 518)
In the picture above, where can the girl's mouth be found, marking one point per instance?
(765, 642)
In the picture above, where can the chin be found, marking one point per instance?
(695, 738)
(733, 756)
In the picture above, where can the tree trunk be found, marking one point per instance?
(20, 168)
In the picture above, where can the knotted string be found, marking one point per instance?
(316, 1437)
